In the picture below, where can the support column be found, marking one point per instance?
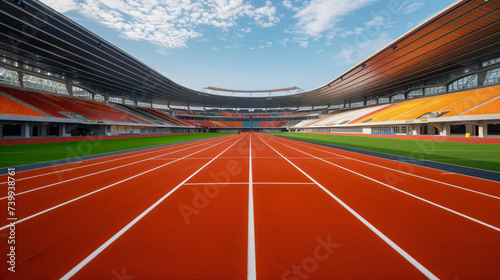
(446, 129)
(70, 89)
(43, 130)
(415, 129)
(62, 130)
(482, 129)
(25, 133)
(20, 78)
(469, 128)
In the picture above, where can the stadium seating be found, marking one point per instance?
(206, 123)
(435, 105)
(70, 106)
(191, 123)
(373, 110)
(290, 123)
(398, 110)
(478, 97)
(166, 117)
(234, 124)
(11, 107)
(490, 107)
(219, 124)
(303, 123)
(108, 111)
(453, 104)
(51, 109)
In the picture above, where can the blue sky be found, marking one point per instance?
(250, 45)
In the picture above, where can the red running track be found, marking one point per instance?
(251, 206)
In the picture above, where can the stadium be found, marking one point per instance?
(111, 170)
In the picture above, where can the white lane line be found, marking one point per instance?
(199, 184)
(104, 188)
(94, 254)
(406, 173)
(398, 249)
(102, 171)
(254, 183)
(283, 183)
(156, 150)
(251, 264)
(195, 158)
(401, 191)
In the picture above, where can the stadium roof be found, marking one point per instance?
(36, 35)
(252, 91)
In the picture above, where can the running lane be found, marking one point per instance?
(199, 231)
(395, 171)
(302, 233)
(55, 241)
(448, 244)
(33, 179)
(423, 182)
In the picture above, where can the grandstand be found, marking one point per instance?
(433, 115)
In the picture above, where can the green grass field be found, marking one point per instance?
(16, 155)
(480, 156)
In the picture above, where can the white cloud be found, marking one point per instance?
(169, 23)
(346, 34)
(331, 35)
(288, 4)
(321, 15)
(61, 6)
(246, 30)
(303, 41)
(376, 21)
(410, 6)
(283, 42)
(234, 46)
(356, 31)
(265, 12)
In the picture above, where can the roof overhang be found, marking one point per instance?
(452, 39)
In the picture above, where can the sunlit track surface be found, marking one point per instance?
(184, 212)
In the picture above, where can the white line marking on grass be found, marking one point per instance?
(401, 191)
(406, 173)
(398, 249)
(102, 171)
(101, 189)
(251, 264)
(94, 254)
(156, 150)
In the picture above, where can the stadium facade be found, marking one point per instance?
(59, 79)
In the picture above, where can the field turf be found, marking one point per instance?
(482, 156)
(16, 155)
